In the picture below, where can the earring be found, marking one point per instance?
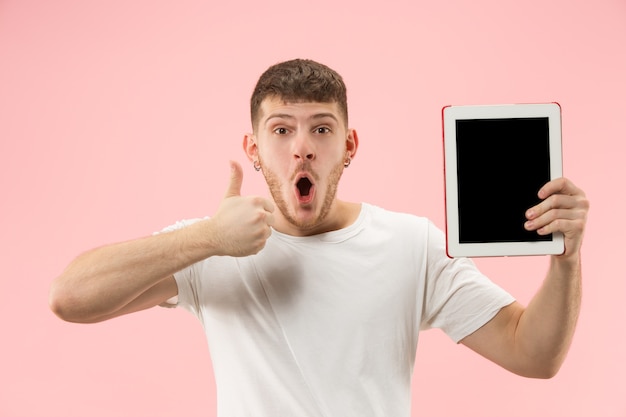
(346, 164)
(257, 165)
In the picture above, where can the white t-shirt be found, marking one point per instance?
(327, 325)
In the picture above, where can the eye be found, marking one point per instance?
(280, 131)
(322, 130)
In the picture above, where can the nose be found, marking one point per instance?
(303, 148)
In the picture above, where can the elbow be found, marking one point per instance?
(76, 303)
(547, 369)
(65, 304)
(544, 373)
(60, 302)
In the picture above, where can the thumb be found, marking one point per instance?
(236, 178)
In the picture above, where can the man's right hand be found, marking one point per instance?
(121, 278)
(241, 225)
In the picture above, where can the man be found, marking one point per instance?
(312, 306)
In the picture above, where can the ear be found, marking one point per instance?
(352, 143)
(250, 147)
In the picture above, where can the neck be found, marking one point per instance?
(341, 215)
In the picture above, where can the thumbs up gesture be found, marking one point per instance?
(242, 225)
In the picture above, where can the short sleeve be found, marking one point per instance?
(459, 299)
(188, 289)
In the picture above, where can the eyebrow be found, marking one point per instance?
(290, 116)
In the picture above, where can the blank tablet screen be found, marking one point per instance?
(501, 165)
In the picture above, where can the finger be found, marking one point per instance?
(557, 207)
(236, 179)
(268, 206)
(558, 186)
(269, 219)
(569, 227)
(263, 203)
(553, 217)
(553, 202)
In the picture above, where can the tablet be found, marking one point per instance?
(496, 158)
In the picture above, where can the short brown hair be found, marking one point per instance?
(300, 80)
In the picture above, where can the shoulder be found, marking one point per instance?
(389, 218)
(405, 227)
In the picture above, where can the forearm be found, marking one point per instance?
(534, 341)
(546, 327)
(106, 279)
(129, 276)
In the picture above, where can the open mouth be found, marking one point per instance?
(305, 190)
(304, 186)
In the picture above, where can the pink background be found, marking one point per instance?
(118, 118)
